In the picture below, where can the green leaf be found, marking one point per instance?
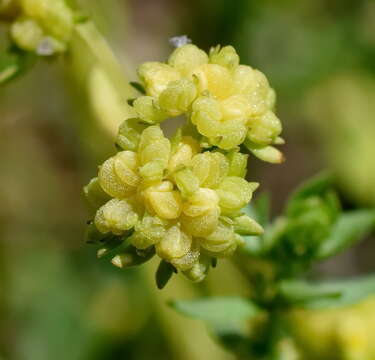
(163, 274)
(317, 185)
(296, 292)
(324, 295)
(349, 229)
(13, 63)
(217, 310)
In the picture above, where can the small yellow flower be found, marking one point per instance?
(172, 196)
(228, 103)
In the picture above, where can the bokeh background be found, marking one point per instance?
(57, 301)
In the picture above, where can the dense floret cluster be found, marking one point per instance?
(183, 198)
(228, 103)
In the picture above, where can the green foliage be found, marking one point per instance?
(313, 227)
(217, 310)
(14, 63)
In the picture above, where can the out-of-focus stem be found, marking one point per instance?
(99, 72)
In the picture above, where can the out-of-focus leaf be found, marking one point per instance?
(329, 294)
(312, 187)
(13, 63)
(163, 274)
(227, 318)
(296, 292)
(349, 228)
(217, 310)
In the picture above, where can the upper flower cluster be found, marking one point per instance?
(171, 195)
(228, 103)
(41, 26)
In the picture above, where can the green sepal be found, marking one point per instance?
(138, 86)
(133, 257)
(164, 273)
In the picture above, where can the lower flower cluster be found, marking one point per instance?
(171, 198)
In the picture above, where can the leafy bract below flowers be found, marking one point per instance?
(183, 198)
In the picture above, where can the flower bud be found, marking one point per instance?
(248, 81)
(221, 242)
(164, 201)
(244, 225)
(118, 175)
(234, 193)
(210, 168)
(201, 202)
(148, 232)
(156, 77)
(132, 257)
(215, 79)
(206, 115)
(188, 260)
(236, 107)
(237, 164)
(94, 194)
(129, 134)
(186, 182)
(174, 244)
(148, 110)
(186, 58)
(177, 97)
(198, 271)
(266, 153)
(53, 15)
(232, 134)
(153, 153)
(264, 129)
(225, 56)
(201, 225)
(182, 153)
(116, 216)
(26, 33)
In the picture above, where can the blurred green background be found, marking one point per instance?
(57, 301)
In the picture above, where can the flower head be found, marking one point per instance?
(172, 196)
(182, 198)
(228, 103)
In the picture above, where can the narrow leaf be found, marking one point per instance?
(216, 310)
(301, 292)
(351, 291)
(349, 229)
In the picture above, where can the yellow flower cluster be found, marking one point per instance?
(41, 26)
(228, 103)
(172, 196)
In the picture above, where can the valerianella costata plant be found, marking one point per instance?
(182, 199)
